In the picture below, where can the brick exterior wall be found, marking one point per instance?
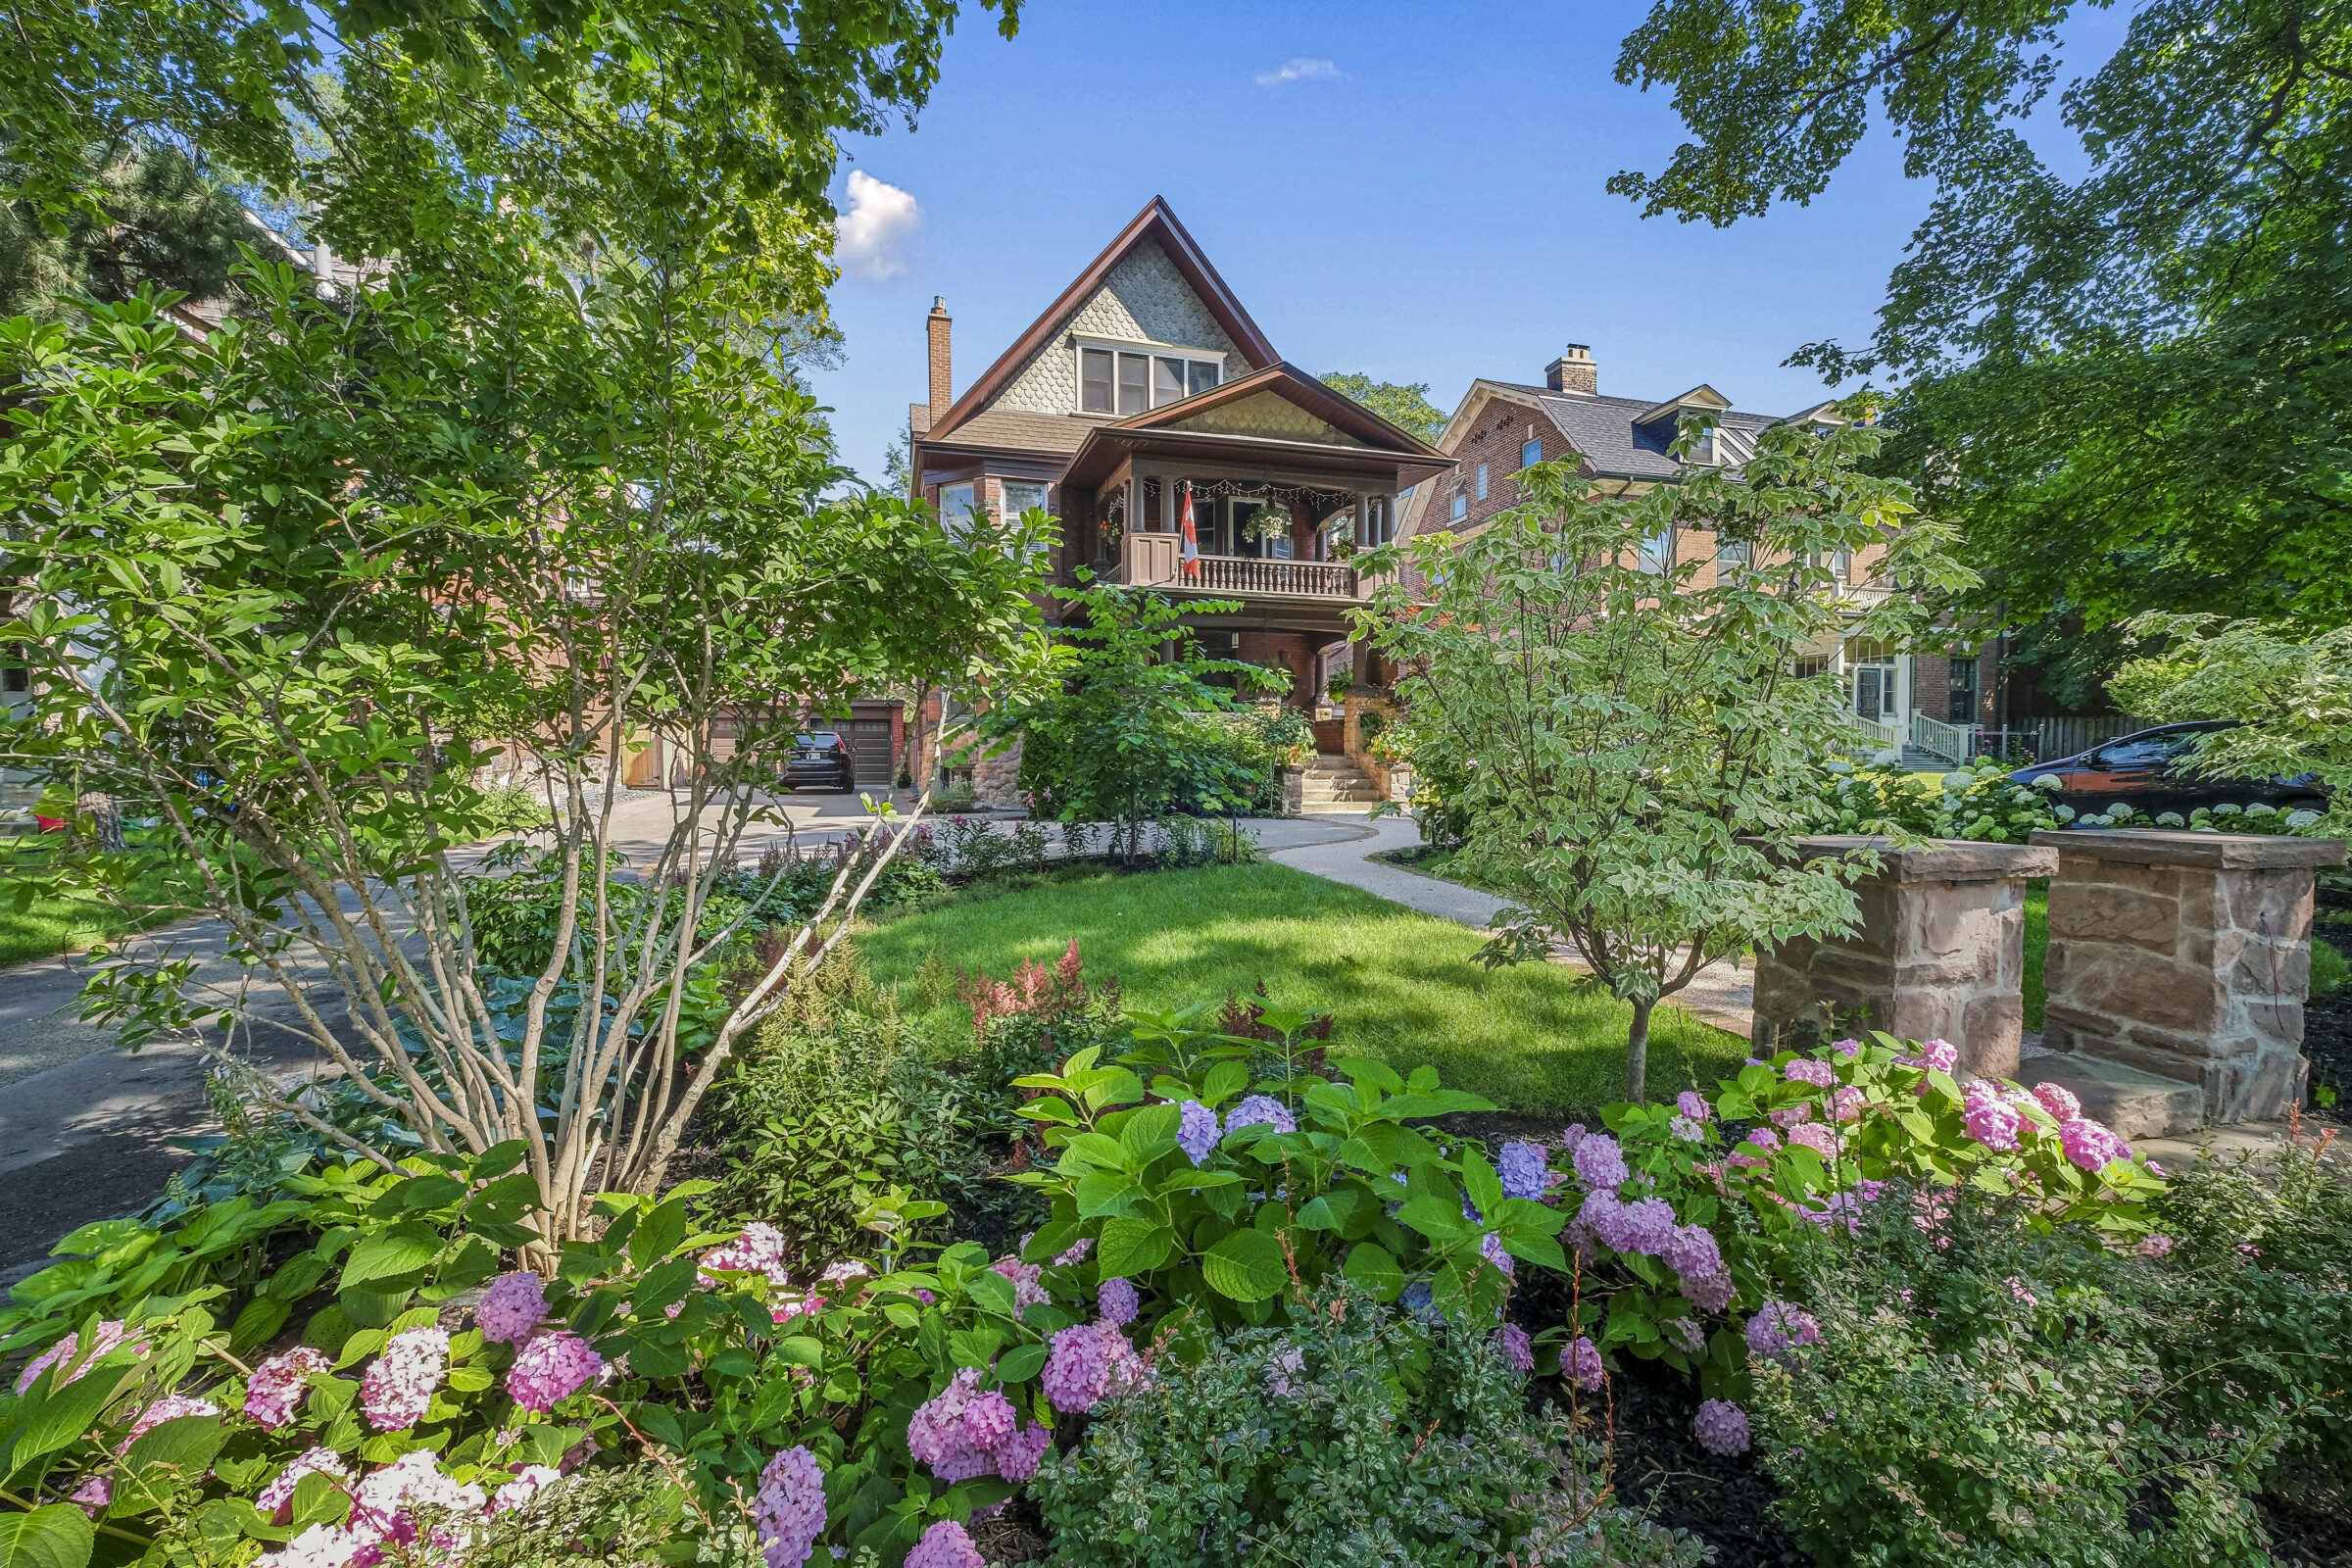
(1144, 300)
(942, 388)
(1932, 685)
(1295, 650)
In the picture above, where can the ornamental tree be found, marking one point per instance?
(1632, 749)
(287, 592)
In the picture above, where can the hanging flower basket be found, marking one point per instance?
(1271, 519)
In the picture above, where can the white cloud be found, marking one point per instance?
(870, 238)
(1302, 68)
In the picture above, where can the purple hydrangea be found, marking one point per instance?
(1018, 1456)
(1807, 1071)
(1580, 1365)
(276, 1388)
(1780, 1327)
(1512, 1340)
(1690, 1251)
(789, 1511)
(1260, 1110)
(1490, 1247)
(1117, 1301)
(1694, 1104)
(1686, 1334)
(276, 1499)
(1709, 1292)
(398, 1385)
(1599, 1162)
(1989, 1118)
(1721, 1426)
(946, 1544)
(1197, 1132)
(2090, 1143)
(512, 1307)
(1522, 1169)
(1848, 1047)
(551, 1367)
(1075, 1254)
(1085, 1365)
(1027, 1290)
(1817, 1137)
(1643, 1226)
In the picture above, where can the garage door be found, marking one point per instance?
(869, 752)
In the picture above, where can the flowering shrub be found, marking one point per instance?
(1216, 1169)
(1976, 802)
(1372, 1435)
(1687, 1224)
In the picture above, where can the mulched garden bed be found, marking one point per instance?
(2327, 1029)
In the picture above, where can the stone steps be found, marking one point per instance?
(2135, 1103)
(1335, 784)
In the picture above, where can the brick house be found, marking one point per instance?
(1145, 383)
(1625, 445)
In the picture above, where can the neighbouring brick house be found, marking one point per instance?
(1143, 384)
(1625, 445)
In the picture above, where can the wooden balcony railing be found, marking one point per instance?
(1155, 561)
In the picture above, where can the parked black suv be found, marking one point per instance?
(2147, 771)
(820, 758)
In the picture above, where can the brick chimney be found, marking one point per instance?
(943, 382)
(1573, 372)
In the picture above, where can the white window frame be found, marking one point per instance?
(1044, 495)
(956, 513)
(1655, 554)
(1481, 481)
(1461, 507)
(1536, 446)
(1213, 358)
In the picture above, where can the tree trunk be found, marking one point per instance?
(104, 818)
(1636, 1049)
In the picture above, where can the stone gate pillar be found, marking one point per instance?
(2187, 956)
(1940, 954)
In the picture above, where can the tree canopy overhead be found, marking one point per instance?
(1404, 405)
(2126, 385)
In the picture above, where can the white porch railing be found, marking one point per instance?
(1951, 742)
(1884, 734)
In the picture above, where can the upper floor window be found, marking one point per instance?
(1461, 505)
(955, 509)
(1732, 556)
(1021, 496)
(1481, 481)
(1530, 454)
(1703, 447)
(1118, 381)
(1657, 553)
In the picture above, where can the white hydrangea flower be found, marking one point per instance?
(2050, 782)
(2228, 808)
(1960, 780)
(2064, 814)
(2170, 819)
(2261, 809)
(2301, 819)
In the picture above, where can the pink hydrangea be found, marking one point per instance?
(946, 1544)
(398, 1387)
(789, 1509)
(1846, 1102)
(276, 1499)
(760, 1250)
(1848, 1047)
(1989, 1118)
(1938, 1055)
(1763, 1138)
(1721, 1426)
(1787, 1116)
(2155, 1246)
(1026, 1290)
(1817, 1137)
(551, 1367)
(110, 1334)
(529, 1483)
(93, 1495)
(1018, 1456)
(1779, 1327)
(1075, 1254)
(1692, 1104)
(385, 1511)
(1599, 1162)
(1085, 1365)
(2058, 1101)
(512, 1307)
(1807, 1071)
(2089, 1144)
(170, 1407)
(964, 1431)
(1117, 1301)
(1580, 1365)
(848, 1270)
(1690, 1251)
(1512, 1342)
(276, 1388)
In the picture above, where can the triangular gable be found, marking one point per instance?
(1283, 403)
(1154, 230)
(1702, 395)
(1269, 415)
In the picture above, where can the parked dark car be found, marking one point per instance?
(2148, 770)
(820, 758)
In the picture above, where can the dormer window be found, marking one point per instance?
(1703, 447)
(1123, 381)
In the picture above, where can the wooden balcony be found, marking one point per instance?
(1155, 561)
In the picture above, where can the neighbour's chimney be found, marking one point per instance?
(942, 383)
(1573, 372)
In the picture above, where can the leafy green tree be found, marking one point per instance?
(1405, 406)
(1637, 752)
(151, 217)
(2124, 385)
(2290, 695)
(1123, 727)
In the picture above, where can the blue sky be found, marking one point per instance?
(1410, 190)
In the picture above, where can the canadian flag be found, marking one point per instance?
(1192, 540)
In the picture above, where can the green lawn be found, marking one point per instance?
(1403, 985)
(52, 925)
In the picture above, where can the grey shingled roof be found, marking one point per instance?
(1602, 429)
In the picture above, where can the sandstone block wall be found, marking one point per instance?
(2188, 955)
(1939, 954)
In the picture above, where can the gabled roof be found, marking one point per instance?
(1277, 410)
(1702, 395)
(1619, 437)
(1155, 224)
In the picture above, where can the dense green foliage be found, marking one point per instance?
(2125, 385)
(148, 216)
(1405, 406)
(1628, 747)
(1351, 1434)
(1976, 801)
